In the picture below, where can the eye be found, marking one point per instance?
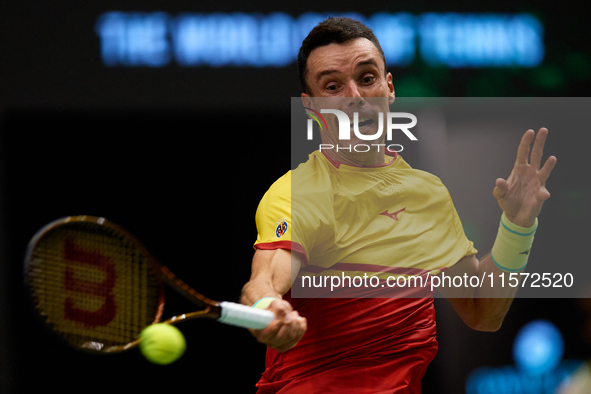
(368, 79)
(332, 87)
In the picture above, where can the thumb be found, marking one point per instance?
(544, 194)
(501, 187)
(281, 308)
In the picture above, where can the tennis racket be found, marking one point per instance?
(97, 287)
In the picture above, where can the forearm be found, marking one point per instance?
(495, 283)
(484, 306)
(256, 289)
(509, 255)
(493, 300)
(271, 276)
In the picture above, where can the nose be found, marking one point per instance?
(352, 92)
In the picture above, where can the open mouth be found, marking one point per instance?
(363, 123)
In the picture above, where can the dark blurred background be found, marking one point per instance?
(128, 111)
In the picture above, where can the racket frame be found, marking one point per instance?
(210, 308)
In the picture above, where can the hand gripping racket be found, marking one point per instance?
(97, 287)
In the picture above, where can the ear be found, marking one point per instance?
(391, 94)
(307, 100)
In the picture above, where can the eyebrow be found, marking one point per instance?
(370, 62)
(325, 73)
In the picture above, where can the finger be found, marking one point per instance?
(293, 327)
(545, 172)
(280, 308)
(501, 188)
(293, 333)
(543, 194)
(290, 324)
(288, 329)
(279, 330)
(538, 148)
(524, 145)
(268, 333)
(286, 346)
(283, 339)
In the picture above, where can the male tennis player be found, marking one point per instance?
(371, 212)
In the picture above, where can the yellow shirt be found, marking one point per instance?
(383, 221)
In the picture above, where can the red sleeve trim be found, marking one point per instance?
(289, 245)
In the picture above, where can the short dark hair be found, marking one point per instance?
(334, 30)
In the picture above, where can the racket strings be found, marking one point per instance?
(93, 285)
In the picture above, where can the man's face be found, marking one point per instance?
(343, 76)
(351, 69)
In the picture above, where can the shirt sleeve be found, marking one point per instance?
(274, 221)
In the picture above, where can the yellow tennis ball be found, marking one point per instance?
(162, 343)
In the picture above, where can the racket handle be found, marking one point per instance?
(245, 316)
